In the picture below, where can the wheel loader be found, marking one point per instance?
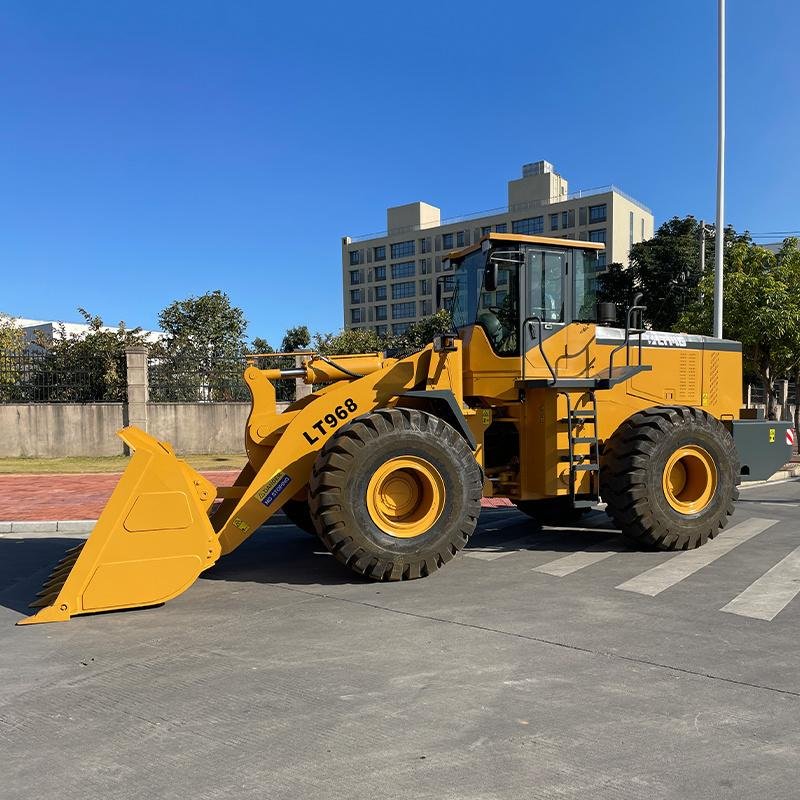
(539, 395)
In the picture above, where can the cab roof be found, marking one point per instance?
(575, 244)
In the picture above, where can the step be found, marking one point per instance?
(586, 467)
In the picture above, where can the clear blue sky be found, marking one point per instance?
(149, 151)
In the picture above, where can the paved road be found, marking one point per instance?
(539, 664)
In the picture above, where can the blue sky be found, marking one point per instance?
(151, 151)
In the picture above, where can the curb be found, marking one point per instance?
(48, 526)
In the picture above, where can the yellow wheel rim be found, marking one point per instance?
(405, 496)
(690, 479)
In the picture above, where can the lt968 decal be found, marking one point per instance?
(330, 421)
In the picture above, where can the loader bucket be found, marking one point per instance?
(151, 542)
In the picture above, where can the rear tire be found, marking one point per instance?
(670, 477)
(396, 494)
(299, 514)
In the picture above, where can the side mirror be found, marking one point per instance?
(490, 276)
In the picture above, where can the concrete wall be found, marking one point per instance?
(41, 430)
(61, 429)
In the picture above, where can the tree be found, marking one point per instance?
(84, 367)
(11, 335)
(204, 330)
(202, 353)
(761, 308)
(616, 285)
(296, 338)
(666, 268)
(347, 342)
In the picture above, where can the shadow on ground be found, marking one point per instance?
(284, 554)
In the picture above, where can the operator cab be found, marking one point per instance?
(508, 280)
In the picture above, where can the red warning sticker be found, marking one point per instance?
(790, 436)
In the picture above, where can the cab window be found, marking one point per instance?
(546, 270)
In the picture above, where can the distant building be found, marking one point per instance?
(389, 278)
(35, 330)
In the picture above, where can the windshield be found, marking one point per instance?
(496, 312)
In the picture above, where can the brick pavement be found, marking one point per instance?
(69, 496)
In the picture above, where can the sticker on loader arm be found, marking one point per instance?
(272, 488)
(772, 435)
(790, 436)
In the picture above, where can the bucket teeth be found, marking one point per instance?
(58, 577)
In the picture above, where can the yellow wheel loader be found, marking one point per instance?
(539, 395)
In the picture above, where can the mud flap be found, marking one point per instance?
(150, 544)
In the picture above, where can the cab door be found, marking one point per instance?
(546, 297)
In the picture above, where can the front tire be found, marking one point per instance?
(670, 477)
(396, 494)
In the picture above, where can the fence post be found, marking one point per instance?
(301, 388)
(138, 393)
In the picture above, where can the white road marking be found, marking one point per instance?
(575, 561)
(771, 593)
(493, 552)
(681, 566)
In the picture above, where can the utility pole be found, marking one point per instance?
(720, 235)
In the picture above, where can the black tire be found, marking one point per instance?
(299, 514)
(632, 468)
(341, 476)
(552, 511)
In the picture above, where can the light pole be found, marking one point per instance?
(720, 235)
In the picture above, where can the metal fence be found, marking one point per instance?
(41, 377)
(175, 381)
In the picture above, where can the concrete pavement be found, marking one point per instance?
(509, 674)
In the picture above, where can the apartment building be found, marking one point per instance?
(389, 279)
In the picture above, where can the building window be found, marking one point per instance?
(631, 228)
(601, 260)
(355, 277)
(401, 290)
(380, 312)
(582, 215)
(642, 239)
(380, 273)
(486, 230)
(380, 292)
(427, 308)
(400, 328)
(460, 239)
(501, 227)
(355, 315)
(597, 214)
(425, 286)
(380, 253)
(405, 269)
(355, 257)
(401, 249)
(355, 296)
(554, 222)
(568, 218)
(404, 310)
(449, 283)
(381, 330)
(447, 241)
(424, 266)
(531, 225)
(597, 235)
